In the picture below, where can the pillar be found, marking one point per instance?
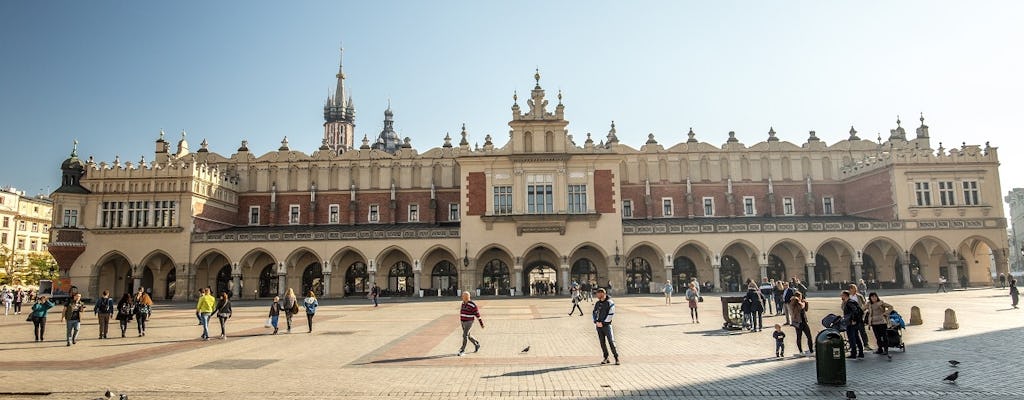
(1002, 264)
(858, 271)
(669, 277)
(810, 277)
(416, 282)
(282, 279)
(565, 278)
(467, 279)
(236, 285)
(764, 270)
(371, 270)
(717, 269)
(191, 292)
(327, 279)
(953, 280)
(518, 272)
(905, 269)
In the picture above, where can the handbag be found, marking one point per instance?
(295, 308)
(700, 299)
(30, 318)
(267, 324)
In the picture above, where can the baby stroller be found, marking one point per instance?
(894, 331)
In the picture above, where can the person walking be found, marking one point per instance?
(374, 294)
(223, 311)
(310, 304)
(766, 288)
(668, 292)
(275, 313)
(469, 312)
(73, 316)
(40, 308)
(777, 291)
(125, 312)
(942, 284)
(205, 307)
(878, 317)
(854, 317)
(1002, 280)
(1014, 294)
(143, 310)
(576, 299)
(780, 341)
(692, 298)
(103, 310)
(19, 297)
(755, 305)
(798, 316)
(8, 299)
(290, 306)
(604, 311)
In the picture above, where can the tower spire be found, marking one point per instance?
(339, 90)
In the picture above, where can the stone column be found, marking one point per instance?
(518, 272)
(717, 269)
(417, 272)
(1002, 264)
(810, 277)
(467, 277)
(764, 270)
(192, 291)
(282, 279)
(858, 271)
(236, 281)
(565, 278)
(371, 270)
(953, 280)
(327, 280)
(905, 269)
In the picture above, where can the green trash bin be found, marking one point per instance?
(830, 358)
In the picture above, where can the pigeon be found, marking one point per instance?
(526, 350)
(122, 397)
(850, 394)
(108, 395)
(954, 363)
(952, 377)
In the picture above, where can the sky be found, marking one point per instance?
(112, 74)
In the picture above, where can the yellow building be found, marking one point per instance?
(547, 203)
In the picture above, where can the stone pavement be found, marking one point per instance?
(407, 350)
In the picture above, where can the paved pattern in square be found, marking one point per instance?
(407, 350)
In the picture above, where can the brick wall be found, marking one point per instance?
(211, 218)
(476, 193)
(759, 191)
(361, 214)
(604, 191)
(870, 195)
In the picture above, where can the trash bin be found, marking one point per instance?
(830, 358)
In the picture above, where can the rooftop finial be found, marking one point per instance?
(898, 121)
(559, 96)
(922, 118)
(74, 149)
(515, 97)
(161, 135)
(536, 76)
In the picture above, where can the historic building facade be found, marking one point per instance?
(544, 206)
(1015, 198)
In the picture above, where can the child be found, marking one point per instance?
(275, 313)
(780, 340)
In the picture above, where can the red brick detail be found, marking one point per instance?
(604, 191)
(870, 195)
(213, 218)
(65, 255)
(346, 214)
(476, 193)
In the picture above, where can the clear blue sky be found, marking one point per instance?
(112, 74)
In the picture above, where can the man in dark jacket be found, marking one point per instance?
(604, 311)
(854, 317)
(103, 309)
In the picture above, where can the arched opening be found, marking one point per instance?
(540, 279)
(822, 271)
(683, 269)
(916, 275)
(776, 268)
(583, 271)
(357, 279)
(400, 280)
(495, 278)
(172, 280)
(113, 274)
(268, 281)
(882, 252)
(870, 271)
(445, 278)
(147, 281)
(638, 275)
(730, 274)
(313, 279)
(224, 282)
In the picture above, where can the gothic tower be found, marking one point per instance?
(339, 116)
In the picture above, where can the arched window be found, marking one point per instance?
(357, 279)
(730, 273)
(445, 278)
(268, 281)
(583, 270)
(496, 277)
(683, 269)
(638, 275)
(313, 279)
(776, 268)
(400, 279)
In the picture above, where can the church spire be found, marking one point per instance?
(339, 91)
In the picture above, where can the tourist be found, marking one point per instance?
(290, 307)
(942, 284)
(223, 311)
(787, 296)
(692, 298)
(205, 307)
(576, 299)
(125, 311)
(745, 308)
(862, 287)
(604, 311)
(766, 294)
(374, 294)
(40, 308)
(8, 299)
(777, 290)
(1002, 280)
(467, 313)
(143, 310)
(1014, 294)
(878, 317)
(854, 317)
(668, 292)
(73, 316)
(198, 317)
(856, 295)
(19, 297)
(275, 313)
(755, 305)
(797, 307)
(103, 309)
(780, 341)
(310, 304)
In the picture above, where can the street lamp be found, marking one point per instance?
(465, 258)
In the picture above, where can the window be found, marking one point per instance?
(787, 206)
(826, 206)
(138, 214)
(70, 218)
(414, 213)
(453, 211)
(709, 206)
(748, 206)
(21, 225)
(254, 215)
(374, 215)
(35, 227)
(627, 209)
(21, 244)
(946, 193)
(33, 245)
(333, 214)
(503, 199)
(3, 239)
(971, 193)
(293, 214)
(924, 194)
(112, 214)
(163, 213)
(540, 194)
(666, 207)
(577, 199)
(46, 228)
(7, 222)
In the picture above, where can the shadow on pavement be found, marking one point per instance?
(408, 359)
(540, 371)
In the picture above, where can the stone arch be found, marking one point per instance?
(659, 254)
(251, 256)
(791, 254)
(841, 256)
(644, 264)
(389, 252)
(540, 264)
(437, 248)
(440, 268)
(537, 246)
(600, 250)
(156, 253)
(588, 262)
(888, 257)
(700, 255)
(934, 255)
(494, 247)
(112, 272)
(975, 263)
(298, 255)
(747, 257)
(207, 267)
(154, 273)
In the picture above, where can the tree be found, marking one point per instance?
(40, 266)
(7, 265)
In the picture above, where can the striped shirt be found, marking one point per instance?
(469, 311)
(604, 310)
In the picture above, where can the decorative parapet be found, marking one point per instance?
(697, 226)
(364, 233)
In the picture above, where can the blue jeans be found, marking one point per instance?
(73, 326)
(204, 318)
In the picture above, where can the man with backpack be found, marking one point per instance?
(103, 309)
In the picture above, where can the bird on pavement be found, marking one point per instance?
(954, 363)
(850, 394)
(526, 350)
(108, 395)
(952, 377)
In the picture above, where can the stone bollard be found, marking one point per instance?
(950, 321)
(915, 316)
